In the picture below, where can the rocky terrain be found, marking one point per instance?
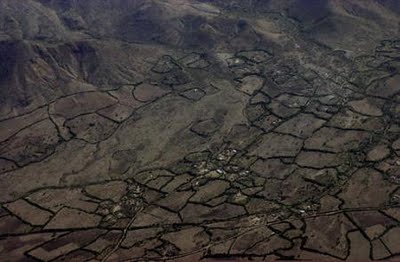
(183, 130)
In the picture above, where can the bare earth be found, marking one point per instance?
(183, 130)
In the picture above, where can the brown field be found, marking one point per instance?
(186, 130)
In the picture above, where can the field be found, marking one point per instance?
(181, 130)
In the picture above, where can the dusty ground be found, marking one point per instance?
(185, 130)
